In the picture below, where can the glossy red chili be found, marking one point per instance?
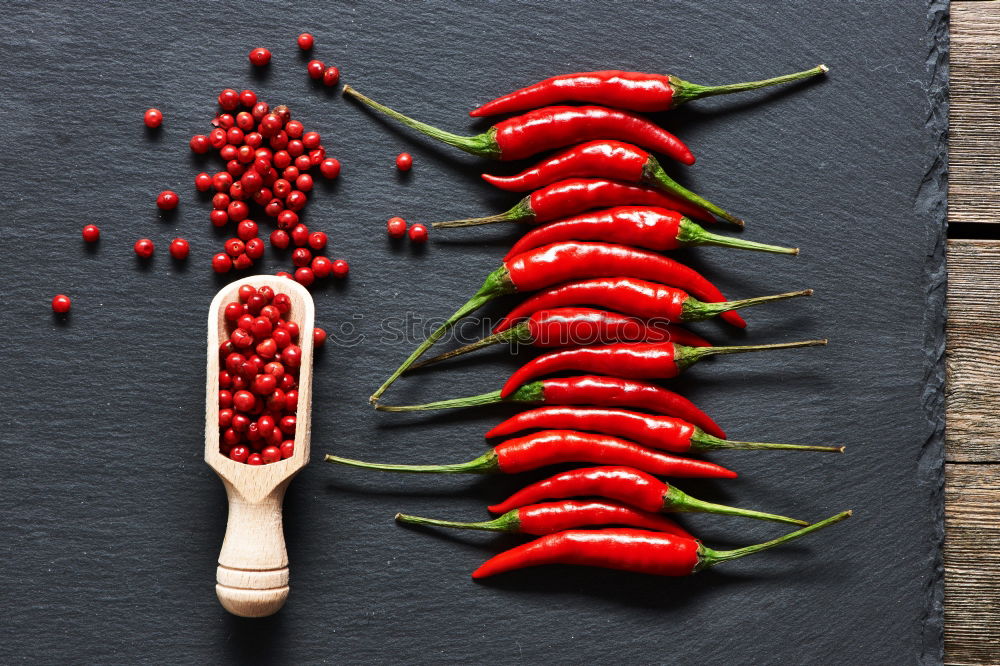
(632, 296)
(629, 549)
(635, 360)
(575, 195)
(638, 91)
(603, 158)
(639, 226)
(585, 390)
(552, 517)
(577, 327)
(547, 128)
(563, 262)
(627, 485)
(652, 430)
(554, 447)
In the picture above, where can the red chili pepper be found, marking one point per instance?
(544, 129)
(635, 360)
(554, 447)
(573, 196)
(638, 91)
(585, 390)
(563, 262)
(614, 160)
(577, 327)
(638, 298)
(627, 485)
(655, 431)
(639, 226)
(552, 517)
(628, 549)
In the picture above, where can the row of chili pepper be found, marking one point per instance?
(608, 259)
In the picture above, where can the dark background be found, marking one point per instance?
(111, 520)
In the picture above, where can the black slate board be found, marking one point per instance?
(112, 522)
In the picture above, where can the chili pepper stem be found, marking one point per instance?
(516, 334)
(496, 284)
(484, 464)
(708, 557)
(507, 522)
(520, 212)
(483, 145)
(685, 91)
(652, 172)
(691, 233)
(701, 441)
(532, 392)
(678, 501)
(687, 356)
(695, 310)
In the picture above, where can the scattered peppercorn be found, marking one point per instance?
(221, 263)
(319, 337)
(179, 249)
(418, 233)
(330, 168)
(61, 303)
(331, 76)
(396, 226)
(144, 248)
(91, 233)
(305, 41)
(260, 57)
(340, 268)
(167, 200)
(153, 118)
(404, 161)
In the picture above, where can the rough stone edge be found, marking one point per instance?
(931, 205)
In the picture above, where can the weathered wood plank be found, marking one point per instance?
(972, 560)
(974, 135)
(973, 351)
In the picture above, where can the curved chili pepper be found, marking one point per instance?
(629, 549)
(553, 447)
(636, 360)
(629, 486)
(615, 160)
(637, 91)
(562, 262)
(544, 129)
(552, 517)
(631, 296)
(577, 327)
(639, 226)
(575, 195)
(656, 431)
(585, 390)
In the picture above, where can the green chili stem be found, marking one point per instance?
(483, 145)
(508, 522)
(484, 464)
(702, 441)
(685, 91)
(496, 284)
(532, 393)
(695, 310)
(521, 212)
(692, 233)
(512, 334)
(678, 501)
(653, 173)
(687, 356)
(709, 557)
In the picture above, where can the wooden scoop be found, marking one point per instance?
(252, 578)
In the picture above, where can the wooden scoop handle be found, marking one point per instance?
(252, 578)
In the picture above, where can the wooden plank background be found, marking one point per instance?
(972, 475)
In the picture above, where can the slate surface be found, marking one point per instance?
(112, 522)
